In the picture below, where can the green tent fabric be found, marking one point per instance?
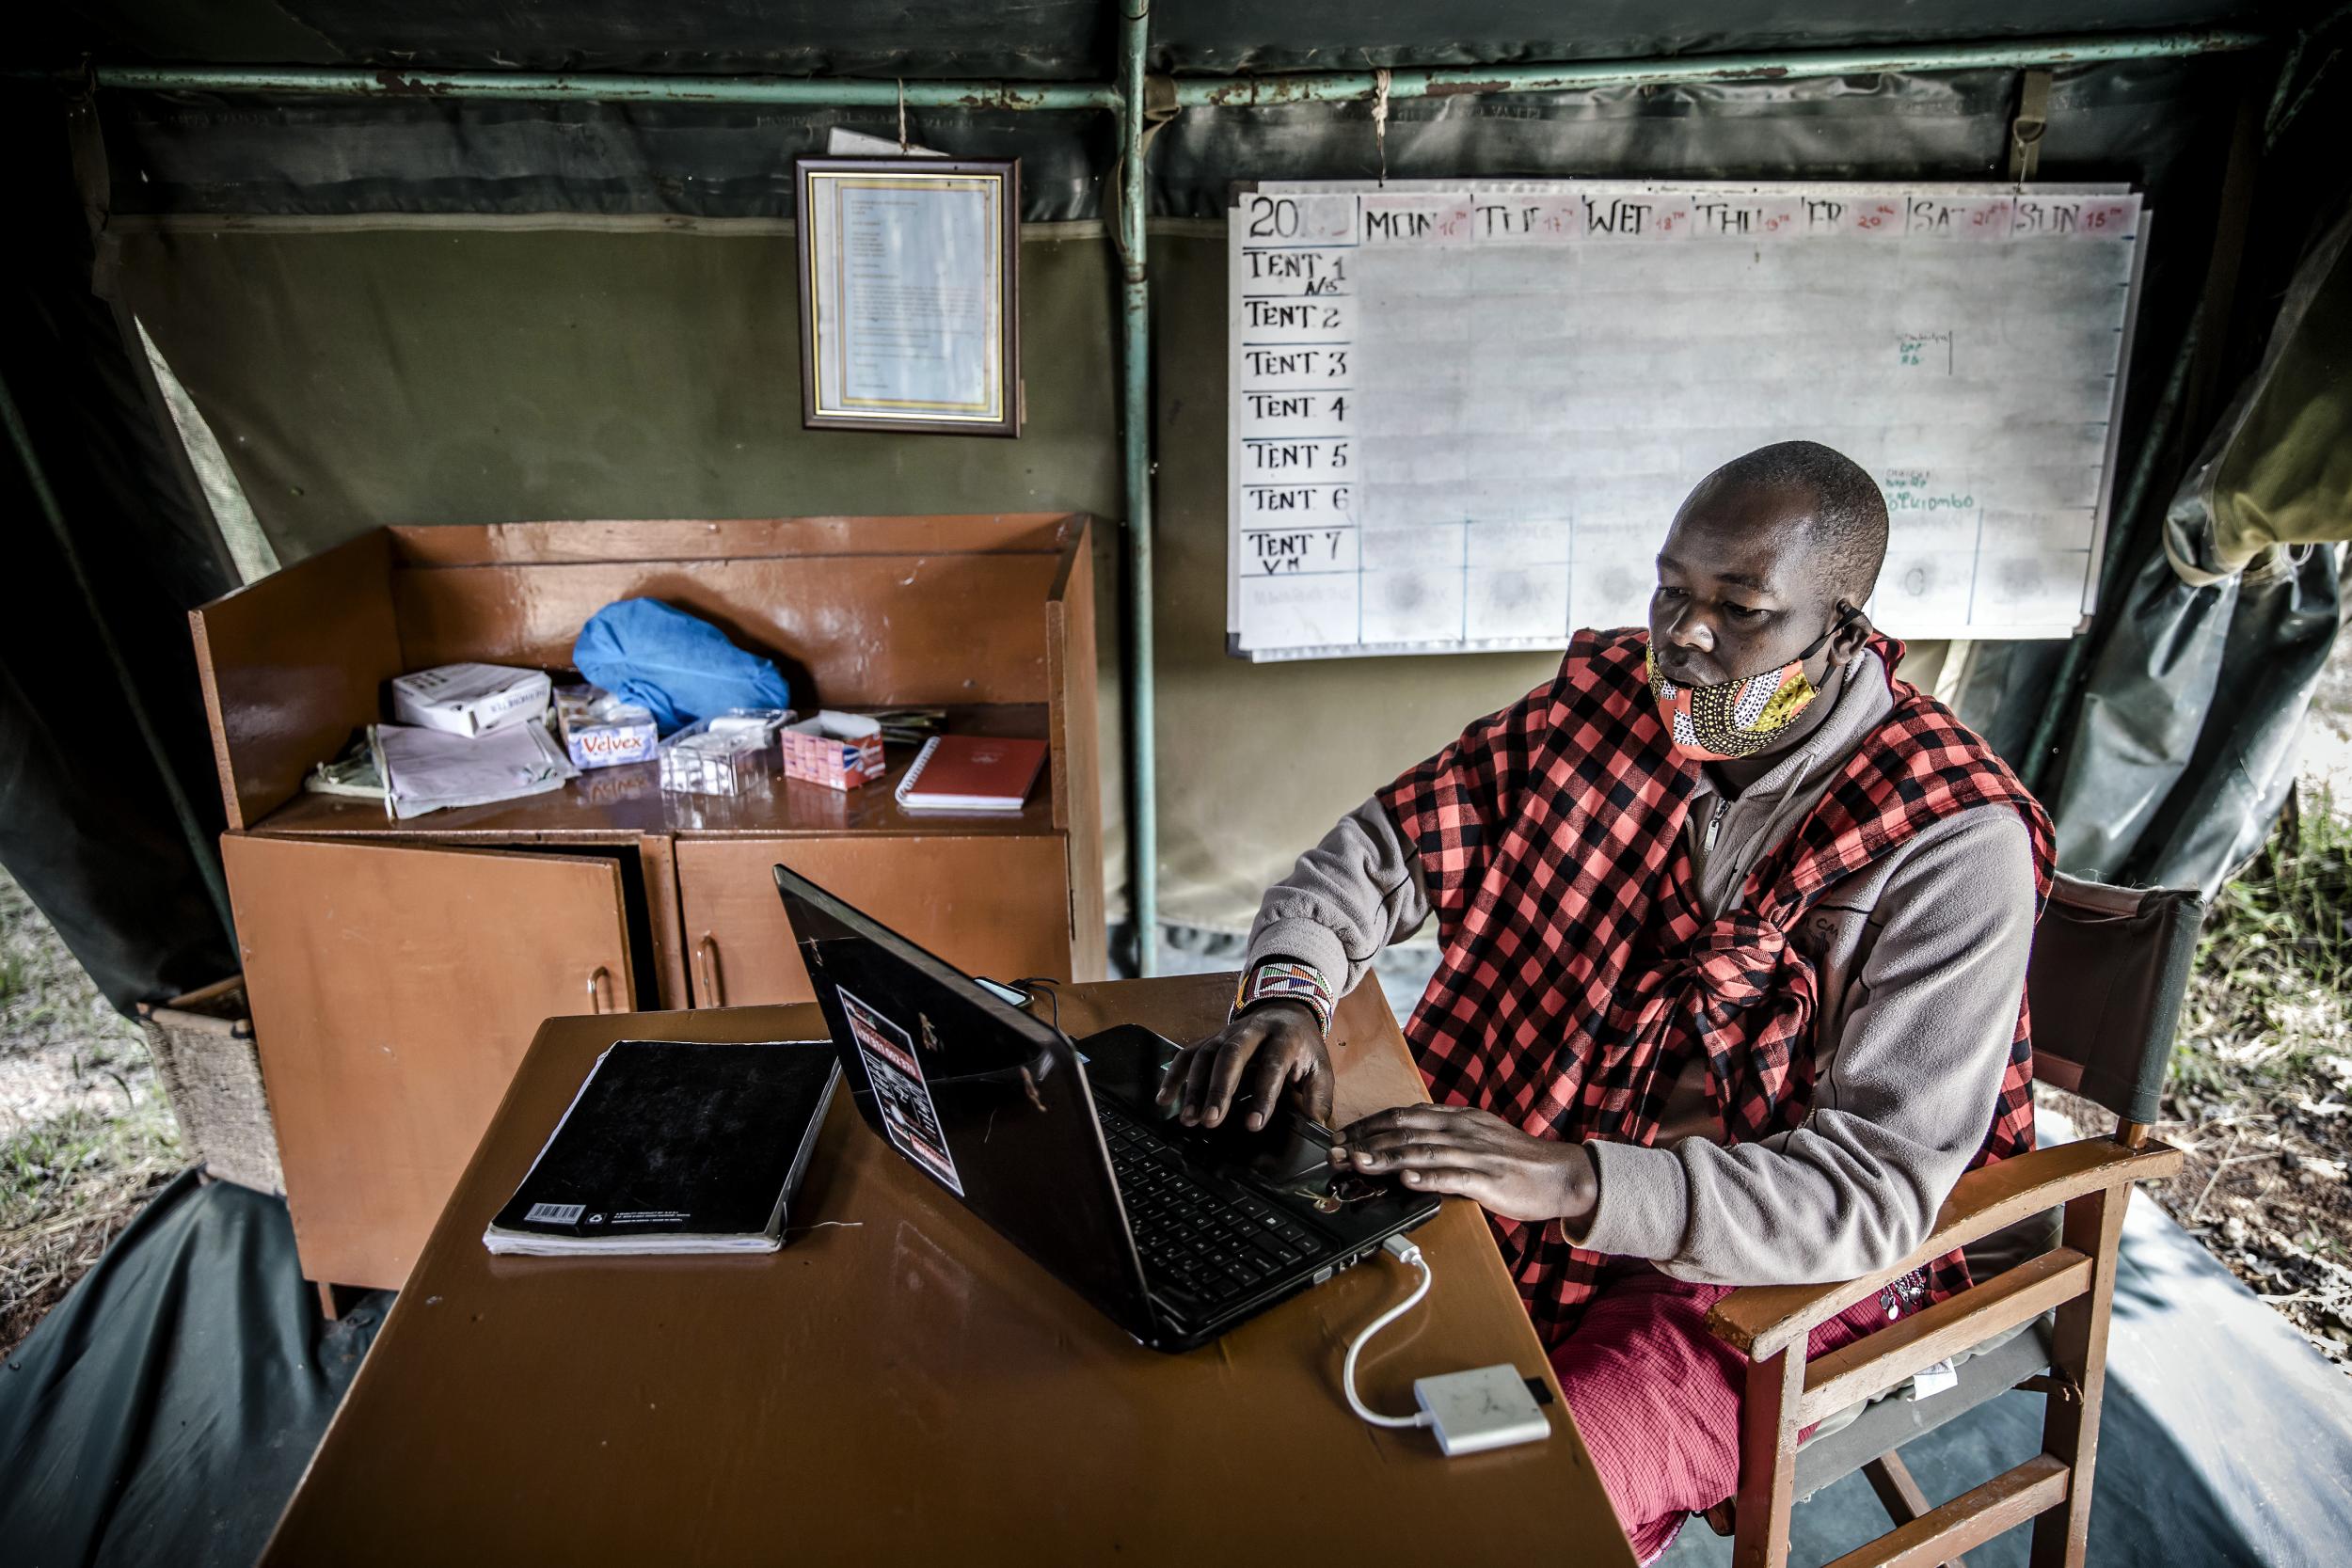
(2186, 745)
(2279, 470)
(162, 1413)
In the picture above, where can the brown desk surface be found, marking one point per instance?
(905, 1382)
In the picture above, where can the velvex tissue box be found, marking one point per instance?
(602, 731)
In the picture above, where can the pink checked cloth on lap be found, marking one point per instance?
(1657, 1397)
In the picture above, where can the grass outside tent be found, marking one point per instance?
(2261, 1095)
(84, 1134)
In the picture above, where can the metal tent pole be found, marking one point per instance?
(831, 92)
(1143, 796)
(1208, 92)
(1339, 86)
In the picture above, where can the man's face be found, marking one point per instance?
(1740, 587)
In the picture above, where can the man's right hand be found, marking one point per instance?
(1273, 1046)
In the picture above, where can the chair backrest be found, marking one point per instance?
(2109, 967)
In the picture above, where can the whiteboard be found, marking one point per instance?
(1463, 415)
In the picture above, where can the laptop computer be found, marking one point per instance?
(1176, 1233)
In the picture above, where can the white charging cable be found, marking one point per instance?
(1402, 1248)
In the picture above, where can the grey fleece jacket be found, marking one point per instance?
(1920, 959)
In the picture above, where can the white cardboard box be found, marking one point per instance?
(470, 699)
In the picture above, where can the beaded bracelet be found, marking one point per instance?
(1287, 981)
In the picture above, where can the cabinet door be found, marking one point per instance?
(395, 990)
(996, 905)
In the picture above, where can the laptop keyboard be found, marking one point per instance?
(1213, 1245)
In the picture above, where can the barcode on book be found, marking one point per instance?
(556, 1214)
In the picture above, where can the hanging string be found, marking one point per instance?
(1380, 118)
(902, 116)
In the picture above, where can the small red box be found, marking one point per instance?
(839, 751)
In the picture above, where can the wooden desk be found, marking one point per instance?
(902, 1385)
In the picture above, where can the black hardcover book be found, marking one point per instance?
(674, 1146)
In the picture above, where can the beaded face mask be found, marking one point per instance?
(1736, 718)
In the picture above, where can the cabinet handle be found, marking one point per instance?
(599, 989)
(706, 972)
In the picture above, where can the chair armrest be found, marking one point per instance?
(1763, 1320)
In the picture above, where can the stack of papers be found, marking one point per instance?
(432, 770)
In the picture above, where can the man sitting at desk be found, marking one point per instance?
(1734, 928)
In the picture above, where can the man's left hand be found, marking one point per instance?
(1473, 1154)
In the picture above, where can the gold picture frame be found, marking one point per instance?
(910, 294)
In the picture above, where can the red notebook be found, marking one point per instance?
(971, 772)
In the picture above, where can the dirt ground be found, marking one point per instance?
(84, 1134)
(2264, 1188)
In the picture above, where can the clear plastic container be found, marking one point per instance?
(727, 753)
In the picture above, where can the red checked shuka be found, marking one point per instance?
(1578, 974)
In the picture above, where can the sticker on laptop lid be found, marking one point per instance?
(900, 1093)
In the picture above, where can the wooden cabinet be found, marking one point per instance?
(386, 1038)
(990, 905)
(398, 970)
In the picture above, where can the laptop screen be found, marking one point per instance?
(984, 1100)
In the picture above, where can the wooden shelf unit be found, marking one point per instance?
(397, 971)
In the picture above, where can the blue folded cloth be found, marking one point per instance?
(678, 665)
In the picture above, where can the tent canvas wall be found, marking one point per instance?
(414, 308)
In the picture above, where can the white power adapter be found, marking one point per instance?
(1470, 1412)
(1489, 1408)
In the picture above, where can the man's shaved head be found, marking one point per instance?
(1769, 562)
(1847, 514)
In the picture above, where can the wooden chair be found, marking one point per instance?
(2109, 968)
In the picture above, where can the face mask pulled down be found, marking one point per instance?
(1736, 718)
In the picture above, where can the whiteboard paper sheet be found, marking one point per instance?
(1463, 415)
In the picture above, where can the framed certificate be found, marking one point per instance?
(910, 294)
